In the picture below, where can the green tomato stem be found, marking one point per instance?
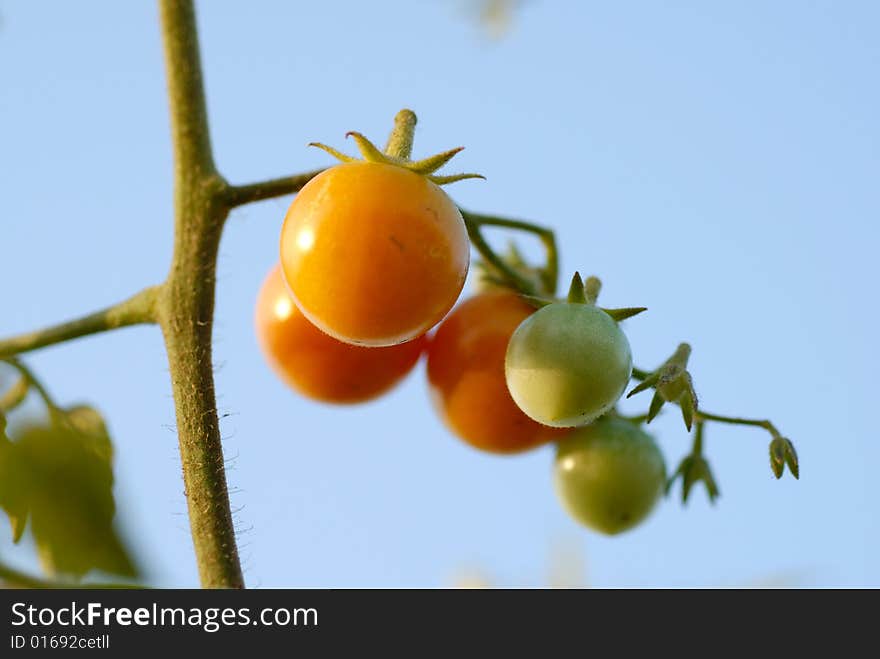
(186, 307)
(637, 419)
(239, 195)
(697, 448)
(592, 286)
(32, 382)
(512, 276)
(14, 396)
(400, 142)
(642, 375)
(739, 421)
(550, 272)
(137, 310)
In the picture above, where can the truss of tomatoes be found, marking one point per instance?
(374, 255)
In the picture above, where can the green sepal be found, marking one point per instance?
(791, 460)
(656, 405)
(576, 290)
(453, 178)
(688, 408)
(368, 150)
(398, 152)
(673, 384)
(646, 384)
(333, 152)
(782, 453)
(692, 470)
(623, 314)
(431, 164)
(777, 456)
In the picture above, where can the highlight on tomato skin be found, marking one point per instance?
(315, 364)
(374, 254)
(466, 375)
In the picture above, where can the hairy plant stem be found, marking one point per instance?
(239, 195)
(186, 306)
(183, 305)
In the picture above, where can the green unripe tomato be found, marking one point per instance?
(609, 475)
(567, 364)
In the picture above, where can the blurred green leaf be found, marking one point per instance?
(58, 476)
(11, 499)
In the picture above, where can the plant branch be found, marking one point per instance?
(545, 235)
(239, 195)
(186, 307)
(136, 310)
(474, 222)
(32, 382)
(739, 421)
(700, 415)
(17, 579)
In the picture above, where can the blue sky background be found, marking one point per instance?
(715, 162)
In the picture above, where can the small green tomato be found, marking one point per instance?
(567, 364)
(609, 475)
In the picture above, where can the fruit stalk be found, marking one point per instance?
(400, 142)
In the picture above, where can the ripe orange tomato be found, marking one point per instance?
(466, 374)
(374, 254)
(317, 365)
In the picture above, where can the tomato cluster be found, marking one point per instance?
(374, 255)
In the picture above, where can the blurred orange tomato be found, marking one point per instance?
(317, 365)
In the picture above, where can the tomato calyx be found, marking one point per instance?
(398, 151)
(693, 469)
(585, 292)
(782, 453)
(673, 384)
